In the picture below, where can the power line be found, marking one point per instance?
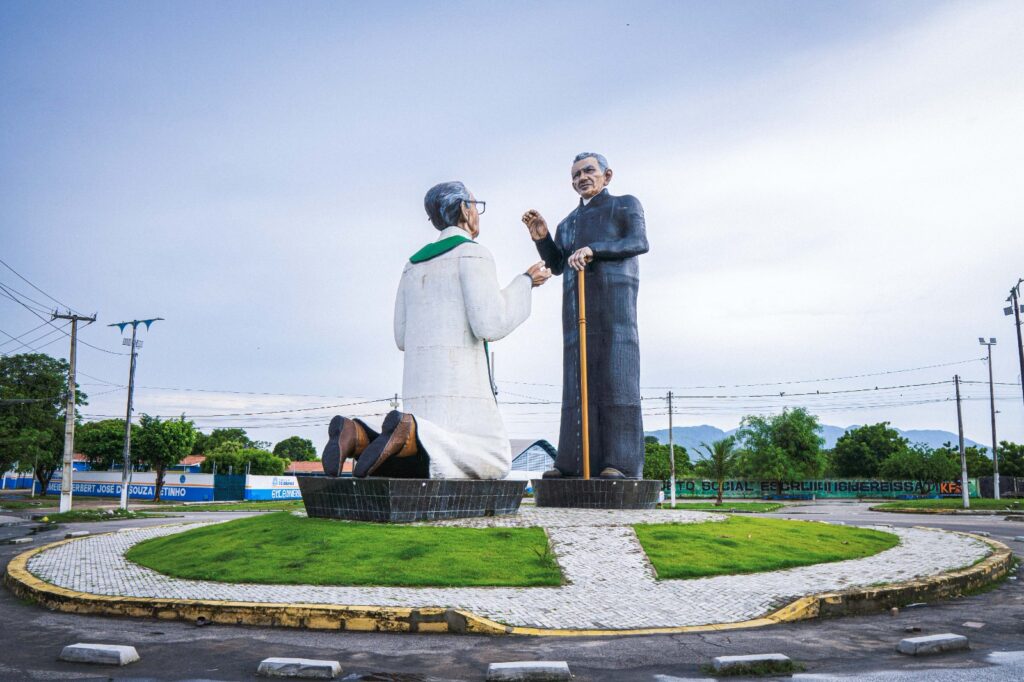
(811, 381)
(20, 276)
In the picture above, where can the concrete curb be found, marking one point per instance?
(456, 621)
(950, 512)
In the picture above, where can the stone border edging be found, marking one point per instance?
(445, 620)
(950, 512)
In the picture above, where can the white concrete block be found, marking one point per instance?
(308, 668)
(76, 534)
(103, 654)
(932, 644)
(727, 663)
(19, 541)
(529, 671)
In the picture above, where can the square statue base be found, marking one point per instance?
(401, 500)
(596, 493)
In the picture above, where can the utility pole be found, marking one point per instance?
(992, 401)
(134, 346)
(963, 455)
(671, 455)
(1014, 310)
(69, 417)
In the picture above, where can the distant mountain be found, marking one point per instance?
(692, 436)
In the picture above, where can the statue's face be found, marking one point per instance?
(587, 178)
(471, 217)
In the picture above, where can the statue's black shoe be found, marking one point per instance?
(553, 473)
(612, 473)
(397, 439)
(331, 458)
(345, 438)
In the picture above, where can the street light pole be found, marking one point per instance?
(992, 401)
(133, 344)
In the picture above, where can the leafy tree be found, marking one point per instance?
(919, 462)
(1011, 459)
(218, 436)
(782, 447)
(161, 444)
(657, 464)
(202, 444)
(102, 442)
(718, 462)
(233, 456)
(33, 401)
(296, 449)
(978, 463)
(860, 452)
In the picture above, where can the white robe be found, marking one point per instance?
(445, 309)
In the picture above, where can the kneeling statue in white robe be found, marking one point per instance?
(449, 306)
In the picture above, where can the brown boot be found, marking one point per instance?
(345, 438)
(397, 439)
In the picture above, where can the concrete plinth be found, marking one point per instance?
(401, 500)
(596, 493)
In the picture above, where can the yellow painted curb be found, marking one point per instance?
(438, 619)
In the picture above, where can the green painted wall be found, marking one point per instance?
(823, 488)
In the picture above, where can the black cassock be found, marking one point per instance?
(613, 227)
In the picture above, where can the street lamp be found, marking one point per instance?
(992, 400)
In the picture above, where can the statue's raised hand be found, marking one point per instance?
(536, 224)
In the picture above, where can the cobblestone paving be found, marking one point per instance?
(610, 584)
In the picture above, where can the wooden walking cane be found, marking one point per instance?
(583, 374)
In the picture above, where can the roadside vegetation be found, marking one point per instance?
(284, 549)
(753, 545)
(269, 505)
(89, 515)
(980, 503)
(27, 503)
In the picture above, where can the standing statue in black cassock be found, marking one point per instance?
(603, 235)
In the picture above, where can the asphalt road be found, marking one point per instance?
(861, 648)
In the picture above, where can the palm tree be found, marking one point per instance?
(718, 462)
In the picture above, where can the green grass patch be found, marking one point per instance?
(270, 505)
(83, 515)
(982, 503)
(752, 545)
(14, 505)
(752, 507)
(285, 549)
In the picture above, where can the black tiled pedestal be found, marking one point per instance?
(397, 500)
(596, 493)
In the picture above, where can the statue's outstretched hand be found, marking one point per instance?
(579, 259)
(536, 224)
(539, 273)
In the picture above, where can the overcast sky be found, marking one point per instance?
(832, 189)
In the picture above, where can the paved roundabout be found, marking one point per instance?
(610, 585)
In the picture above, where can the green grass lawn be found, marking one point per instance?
(752, 545)
(269, 505)
(284, 549)
(953, 503)
(758, 507)
(24, 503)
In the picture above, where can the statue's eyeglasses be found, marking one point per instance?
(481, 206)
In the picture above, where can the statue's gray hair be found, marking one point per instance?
(443, 203)
(601, 161)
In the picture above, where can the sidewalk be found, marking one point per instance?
(611, 586)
